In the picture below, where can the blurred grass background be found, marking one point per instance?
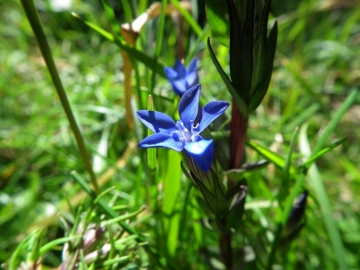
(317, 65)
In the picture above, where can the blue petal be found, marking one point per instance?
(157, 121)
(202, 152)
(189, 105)
(180, 69)
(192, 78)
(161, 140)
(170, 73)
(179, 86)
(210, 112)
(192, 65)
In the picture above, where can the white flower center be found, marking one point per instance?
(185, 135)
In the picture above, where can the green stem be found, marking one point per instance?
(159, 40)
(35, 23)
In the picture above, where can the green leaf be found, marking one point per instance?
(275, 158)
(260, 40)
(82, 265)
(14, 257)
(36, 26)
(336, 118)
(60, 241)
(154, 254)
(261, 86)
(120, 261)
(123, 217)
(133, 52)
(241, 50)
(172, 187)
(239, 101)
(285, 179)
(317, 155)
(151, 152)
(188, 17)
(216, 13)
(111, 15)
(324, 203)
(101, 154)
(248, 167)
(34, 247)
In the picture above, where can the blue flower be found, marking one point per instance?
(182, 79)
(184, 134)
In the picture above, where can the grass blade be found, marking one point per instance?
(155, 255)
(111, 15)
(317, 155)
(194, 25)
(172, 187)
(159, 40)
(36, 26)
(285, 180)
(133, 52)
(336, 119)
(275, 158)
(324, 202)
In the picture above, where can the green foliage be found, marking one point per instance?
(148, 213)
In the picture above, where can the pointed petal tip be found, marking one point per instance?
(189, 105)
(161, 140)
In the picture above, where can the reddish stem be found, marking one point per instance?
(239, 125)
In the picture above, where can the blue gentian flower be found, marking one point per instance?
(184, 134)
(181, 78)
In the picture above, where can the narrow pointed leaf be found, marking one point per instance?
(243, 66)
(133, 52)
(260, 42)
(151, 152)
(275, 158)
(325, 205)
(317, 155)
(239, 101)
(262, 85)
(285, 179)
(217, 14)
(57, 242)
(336, 118)
(235, 38)
(171, 189)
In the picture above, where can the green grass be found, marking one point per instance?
(43, 202)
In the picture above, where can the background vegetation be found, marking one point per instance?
(316, 68)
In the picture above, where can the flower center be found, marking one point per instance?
(185, 135)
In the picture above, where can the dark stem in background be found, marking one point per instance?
(239, 125)
(226, 249)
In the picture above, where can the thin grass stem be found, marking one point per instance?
(36, 26)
